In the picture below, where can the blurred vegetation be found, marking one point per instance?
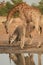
(16, 1)
(5, 9)
(40, 6)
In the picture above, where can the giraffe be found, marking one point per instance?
(27, 13)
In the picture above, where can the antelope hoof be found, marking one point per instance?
(38, 46)
(21, 45)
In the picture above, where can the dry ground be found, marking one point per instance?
(3, 35)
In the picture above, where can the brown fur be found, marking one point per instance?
(18, 28)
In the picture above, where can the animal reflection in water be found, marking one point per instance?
(21, 59)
